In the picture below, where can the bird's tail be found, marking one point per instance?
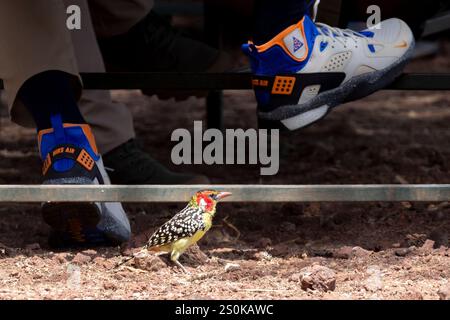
(146, 247)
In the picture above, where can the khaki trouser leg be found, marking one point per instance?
(111, 122)
(33, 39)
(112, 18)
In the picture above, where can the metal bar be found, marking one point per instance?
(241, 193)
(229, 81)
(437, 24)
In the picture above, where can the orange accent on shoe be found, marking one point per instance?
(260, 83)
(58, 151)
(403, 44)
(279, 40)
(41, 133)
(46, 165)
(86, 130)
(283, 85)
(85, 160)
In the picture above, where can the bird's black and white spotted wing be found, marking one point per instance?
(184, 224)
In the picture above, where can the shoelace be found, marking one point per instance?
(341, 35)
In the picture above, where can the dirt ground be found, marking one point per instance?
(259, 251)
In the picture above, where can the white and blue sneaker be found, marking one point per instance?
(70, 157)
(309, 68)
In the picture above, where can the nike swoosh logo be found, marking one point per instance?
(403, 44)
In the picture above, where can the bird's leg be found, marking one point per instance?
(174, 255)
(181, 266)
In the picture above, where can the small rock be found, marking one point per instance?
(148, 262)
(402, 252)
(321, 252)
(406, 205)
(416, 295)
(81, 259)
(102, 262)
(440, 238)
(5, 250)
(89, 252)
(347, 252)
(413, 295)
(99, 260)
(110, 286)
(427, 247)
(232, 267)
(264, 243)
(374, 282)
(288, 226)
(60, 257)
(217, 261)
(33, 246)
(35, 260)
(343, 253)
(441, 206)
(296, 277)
(318, 277)
(281, 249)
(194, 255)
(263, 255)
(360, 252)
(444, 292)
(416, 239)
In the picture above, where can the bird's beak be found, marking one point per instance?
(222, 195)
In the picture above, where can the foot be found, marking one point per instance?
(70, 157)
(153, 45)
(310, 68)
(179, 265)
(128, 164)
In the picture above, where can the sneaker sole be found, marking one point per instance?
(73, 219)
(301, 115)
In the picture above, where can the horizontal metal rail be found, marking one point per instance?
(241, 193)
(229, 81)
(437, 24)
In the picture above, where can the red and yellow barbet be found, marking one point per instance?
(187, 227)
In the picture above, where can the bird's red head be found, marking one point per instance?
(207, 199)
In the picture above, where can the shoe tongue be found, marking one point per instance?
(301, 38)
